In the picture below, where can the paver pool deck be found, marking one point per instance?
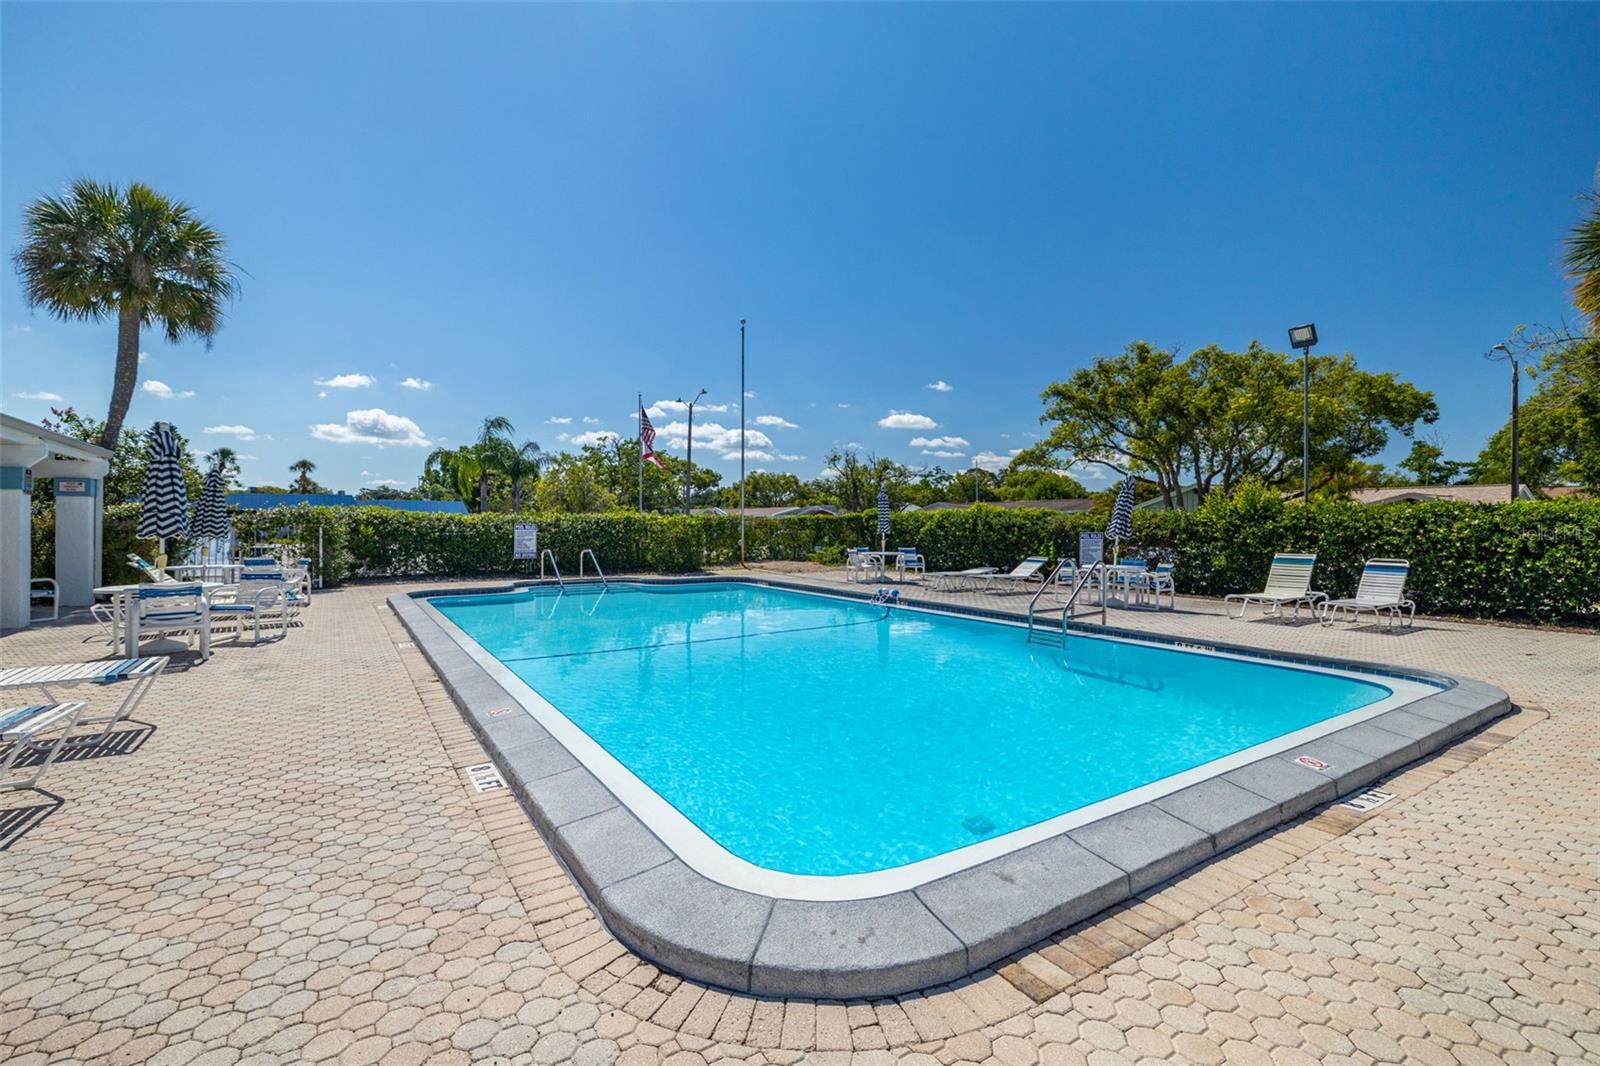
(292, 866)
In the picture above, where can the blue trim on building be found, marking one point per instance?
(15, 477)
(91, 486)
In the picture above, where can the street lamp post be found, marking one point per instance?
(1511, 357)
(741, 442)
(688, 472)
(1303, 337)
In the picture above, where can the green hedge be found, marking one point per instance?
(1537, 560)
(119, 540)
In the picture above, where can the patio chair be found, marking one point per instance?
(49, 591)
(860, 563)
(910, 562)
(1025, 573)
(139, 674)
(149, 571)
(174, 608)
(261, 596)
(1288, 584)
(1154, 582)
(958, 580)
(1382, 591)
(20, 730)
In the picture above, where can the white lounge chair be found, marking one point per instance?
(140, 674)
(150, 571)
(1382, 591)
(1026, 573)
(45, 588)
(1288, 584)
(20, 730)
(174, 608)
(958, 580)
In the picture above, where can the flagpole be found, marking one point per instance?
(641, 453)
(741, 442)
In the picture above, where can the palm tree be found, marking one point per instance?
(494, 448)
(520, 465)
(1583, 260)
(227, 460)
(458, 468)
(302, 468)
(99, 251)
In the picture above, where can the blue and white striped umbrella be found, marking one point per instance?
(164, 510)
(883, 514)
(211, 513)
(1121, 527)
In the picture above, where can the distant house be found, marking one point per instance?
(261, 501)
(1459, 493)
(770, 512)
(1187, 498)
(1064, 506)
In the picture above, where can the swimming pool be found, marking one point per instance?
(818, 747)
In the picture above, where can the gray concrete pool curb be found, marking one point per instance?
(946, 928)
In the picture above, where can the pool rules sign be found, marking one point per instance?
(525, 541)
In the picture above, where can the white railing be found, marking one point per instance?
(1082, 582)
(553, 566)
(593, 559)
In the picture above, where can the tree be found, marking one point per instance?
(1583, 259)
(451, 474)
(571, 486)
(387, 492)
(1022, 482)
(494, 452)
(125, 480)
(1559, 438)
(1217, 417)
(764, 488)
(519, 465)
(227, 460)
(99, 251)
(301, 469)
(1425, 464)
(853, 481)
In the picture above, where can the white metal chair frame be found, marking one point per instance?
(140, 674)
(20, 728)
(1288, 584)
(188, 613)
(1153, 583)
(1382, 591)
(53, 592)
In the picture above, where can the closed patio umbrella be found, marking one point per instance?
(1121, 526)
(883, 517)
(164, 509)
(211, 513)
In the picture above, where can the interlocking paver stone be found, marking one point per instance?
(291, 867)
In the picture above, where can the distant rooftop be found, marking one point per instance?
(769, 512)
(1459, 493)
(1013, 505)
(260, 501)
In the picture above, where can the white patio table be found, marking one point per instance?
(121, 632)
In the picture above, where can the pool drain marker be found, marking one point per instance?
(485, 778)
(499, 712)
(1371, 799)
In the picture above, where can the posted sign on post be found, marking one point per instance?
(525, 541)
(1091, 548)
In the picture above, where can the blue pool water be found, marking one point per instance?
(812, 735)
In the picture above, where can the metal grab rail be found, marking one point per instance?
(592, 558)
(1081, 583)
(553, 566)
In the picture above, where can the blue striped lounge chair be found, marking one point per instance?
(1382, 591)
(137, 675)
(20, 731)
(1288, 584)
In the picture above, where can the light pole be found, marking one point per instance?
(688, 471)
(1511, 357)
(741, 442)
(1303, 337)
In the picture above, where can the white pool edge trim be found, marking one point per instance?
(707, 857)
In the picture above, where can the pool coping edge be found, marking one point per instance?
(946, 928)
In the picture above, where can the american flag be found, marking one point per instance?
(647, 439)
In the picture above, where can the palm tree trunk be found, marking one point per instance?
(516, 495)
(483, 493)
(127, 374)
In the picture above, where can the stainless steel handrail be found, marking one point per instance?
(592, 558)
(1043, 585)
(553, 566)
(1078, 585)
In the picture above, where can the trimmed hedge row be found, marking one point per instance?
(1538, 559)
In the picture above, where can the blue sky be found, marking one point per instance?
(924, 211)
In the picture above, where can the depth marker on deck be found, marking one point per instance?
(485, 778)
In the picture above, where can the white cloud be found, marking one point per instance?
(940, 454)
(557, 420)
(749, 394)
(162, 391)
(939, 442)
(993, 462)
(323, 395)
(589, 420)
(775, 421)
(713, 437)
(841, 405)
(388, 483)
(906, 420)
(143, 356)
(939, 386)
(757, 454)
(791, 458)
(242, 432)
(853, 444)
(596, 436)
(46, 397)
(420, 384)
(346, 381)
(372, 426)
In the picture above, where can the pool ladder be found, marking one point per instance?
(553, 566)
(1082, 582)
(589, 552)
